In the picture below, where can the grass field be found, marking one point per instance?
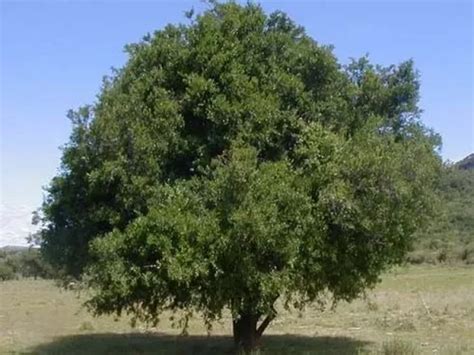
(422, 309)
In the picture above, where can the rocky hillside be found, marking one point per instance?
(467, 163)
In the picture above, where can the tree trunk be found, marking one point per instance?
(246, 335)
(236, 331)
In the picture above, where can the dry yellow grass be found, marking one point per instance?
(414, 310)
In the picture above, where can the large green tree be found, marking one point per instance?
(233, 162)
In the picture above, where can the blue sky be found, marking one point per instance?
(54, 54)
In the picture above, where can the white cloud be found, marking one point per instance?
(15, 224)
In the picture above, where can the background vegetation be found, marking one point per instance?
(23, 262)
(450, 235)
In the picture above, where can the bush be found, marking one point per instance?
(25, 263)
(442, 255)
(449, 237)
(6, 272)
(416, 257)
(467, 253)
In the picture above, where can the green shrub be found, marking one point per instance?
(467, 253)
(6, 272)
(450, 235)
(442, 255)
(24, 263)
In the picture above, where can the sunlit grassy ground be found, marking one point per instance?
(414, 310)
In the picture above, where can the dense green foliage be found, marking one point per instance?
(234, 161)
(450, 234)
(23, 263)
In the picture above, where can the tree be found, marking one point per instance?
(25, 262)
(233, 162)
(6, 271)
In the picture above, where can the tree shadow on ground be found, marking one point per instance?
(137, 343)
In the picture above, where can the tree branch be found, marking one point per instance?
(265, 324)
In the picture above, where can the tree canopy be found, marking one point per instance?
(233, 161)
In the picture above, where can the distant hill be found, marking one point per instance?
(9, 248)
(450, 235)
(467, 163)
